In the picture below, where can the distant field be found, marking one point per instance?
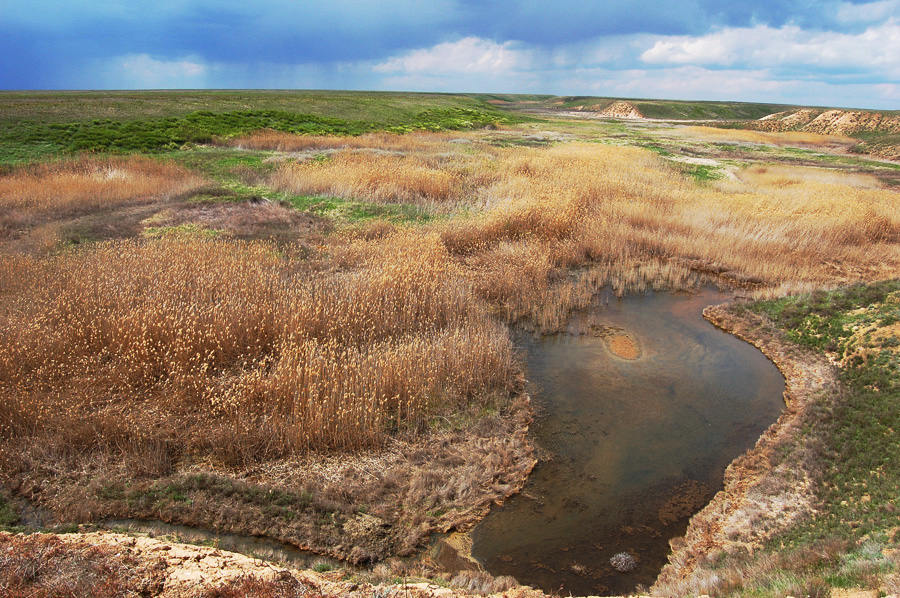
(34, 125)
(662, 109)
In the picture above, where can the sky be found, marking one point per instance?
(812, 52)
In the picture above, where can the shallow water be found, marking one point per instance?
(256, 546)
(642, 404)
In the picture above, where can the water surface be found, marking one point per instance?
(259, 547)
(642, 404)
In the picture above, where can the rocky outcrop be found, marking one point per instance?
(621, 110)
(830, 122)
(846, 123)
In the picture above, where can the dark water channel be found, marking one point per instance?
(642, 404)
(259, 547)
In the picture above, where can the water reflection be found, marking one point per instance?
(644, 404)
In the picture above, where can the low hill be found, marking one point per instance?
(660, 109)
(878, 132)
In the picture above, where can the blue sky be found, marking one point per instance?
(835, 53)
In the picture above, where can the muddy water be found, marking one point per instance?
(642, 406)
(259, 547)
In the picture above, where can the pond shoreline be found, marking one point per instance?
(766, 490)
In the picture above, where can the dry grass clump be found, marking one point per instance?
(250, 586)
(785, 138)
(268, 139)
(38, 192)
(231, 349)
(422, 179)
(43, 566)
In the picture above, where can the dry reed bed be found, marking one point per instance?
(230, 349)
(627, 217)
(241, 352)
(575, 205)
(34, 198)
(88, 184)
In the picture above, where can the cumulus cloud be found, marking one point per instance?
(875, 48)
(468, 55)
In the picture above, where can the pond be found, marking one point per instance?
(641, 405)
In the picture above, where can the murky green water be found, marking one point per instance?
(630, 447)
(256, 546)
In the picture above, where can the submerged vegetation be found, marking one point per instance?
(267, 282)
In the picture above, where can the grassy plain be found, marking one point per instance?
(205, 320)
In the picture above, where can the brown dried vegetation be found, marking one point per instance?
(422, 179)
(35, 198)
(43, 566)
(167, 354)
(236, 350)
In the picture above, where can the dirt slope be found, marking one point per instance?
(621, 110)
(849, 123)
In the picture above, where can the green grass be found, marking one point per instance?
(348, 210)
(9, 515)
(79, 106)
(859, 439)
(45, 125)
(702, 172)
(26, 140)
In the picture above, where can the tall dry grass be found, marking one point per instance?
(554, 225)
(242, 352)
(270, 140)
(88, 184)
(785, 138)
(428, 179)
(231, 349)
(34, 197)
(631, 215)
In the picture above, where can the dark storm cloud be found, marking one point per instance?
(537, 44)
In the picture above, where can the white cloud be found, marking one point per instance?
(871, 12)
(875, 49)
(468, 55)
(699, 83)
(142, 71)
